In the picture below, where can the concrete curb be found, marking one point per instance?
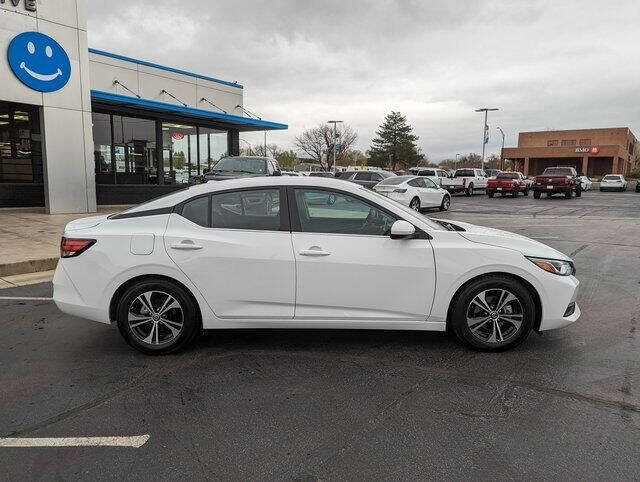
(30, 266)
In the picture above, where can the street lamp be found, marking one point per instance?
(485, 138)
(335, 138)
(501, 150)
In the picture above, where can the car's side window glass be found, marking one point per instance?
(363, 176)
(258, 209)
(337, 213)
(197, 211)
(429, 183)
(414, 183)
(376, 177)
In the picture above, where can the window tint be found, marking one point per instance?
(429, 183)
(464, 173)
(258, 209)
(337, 213)
(197, 211)
(612, 178)
(363, 176)
(415, 183)
(376, 177)
(427, 173)
(508, 175)
(345, 175)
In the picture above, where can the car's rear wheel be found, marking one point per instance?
(415, 204)
(536, 194)
(568, 194)
(578, 191)
(525, 192)
(446, 203)
(493, 313)
(515, 193)
(490, 193)
(469, 191)
(157, 317)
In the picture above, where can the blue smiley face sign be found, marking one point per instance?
(39, 62)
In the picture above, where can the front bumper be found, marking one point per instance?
(562, 291)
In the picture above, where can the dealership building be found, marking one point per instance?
(594, 152)
(81, 127)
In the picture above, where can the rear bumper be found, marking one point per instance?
(68, 299)
(453, 189)
(555, 189)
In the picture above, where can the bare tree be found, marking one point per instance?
(272, 150)
(317, 143)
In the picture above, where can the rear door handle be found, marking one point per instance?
(313, 251)
(186, 246)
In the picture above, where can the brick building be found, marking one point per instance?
(594, 152)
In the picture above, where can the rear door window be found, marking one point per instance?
(363, 176)
(252, 209)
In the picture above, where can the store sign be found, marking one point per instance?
(39, 62)
(177, 135)
(29, 5)
(591, 150)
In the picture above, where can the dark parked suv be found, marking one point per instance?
(233, 167)
(557, 180)
(367, 179)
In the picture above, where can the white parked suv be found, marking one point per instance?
(466, 180)
(613, 182)
(437, 175)
(304, 252)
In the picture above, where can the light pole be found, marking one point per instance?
(485, 129)
(456, 163)
(335, 138)
(501, 150)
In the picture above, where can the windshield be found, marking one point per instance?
(411, 214)
(507, 175)
(394, 181)
(247, 165)
(557, 171)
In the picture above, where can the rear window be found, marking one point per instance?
(464, 173)
(611, 178)
(394, 181)
(507, 175)
(558, 171)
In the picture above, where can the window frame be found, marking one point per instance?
(284, 208)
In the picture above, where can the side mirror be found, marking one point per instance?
(277, 173)
(402, 229)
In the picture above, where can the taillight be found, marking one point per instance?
(399, 190)
(74, 247)
(464, 182)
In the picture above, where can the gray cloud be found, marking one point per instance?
(546, 64)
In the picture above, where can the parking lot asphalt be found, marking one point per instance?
(347, 405)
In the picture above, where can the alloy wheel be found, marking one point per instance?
(495, 315)
(446, 203)
(155, 317)
(415, 205)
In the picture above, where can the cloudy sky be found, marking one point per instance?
(545, 64)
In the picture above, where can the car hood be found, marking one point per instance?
(506, 239)
(85, 223)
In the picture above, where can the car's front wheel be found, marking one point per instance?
(157, 316)
(446, 203)
(493, 313)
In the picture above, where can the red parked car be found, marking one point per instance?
(508, 182)
(557, 180)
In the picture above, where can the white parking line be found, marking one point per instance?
(136, 441)
(24, 298)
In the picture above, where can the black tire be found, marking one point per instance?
(490, 193)
(461, 307)
(515, 193)
(578, 192)
(446, 203)
(415, 204)
(525, 192)
(568, 194)
(469, 191)
(172, 342)
(503, 194)
(536, 194)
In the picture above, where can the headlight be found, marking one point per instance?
(555, 266)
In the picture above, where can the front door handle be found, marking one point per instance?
(313, 251)
(186, 245)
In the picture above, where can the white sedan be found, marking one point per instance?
(302, 252)
(613, 182)
(417, 192)
(585, 183)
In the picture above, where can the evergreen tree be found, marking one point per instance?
(395, 144)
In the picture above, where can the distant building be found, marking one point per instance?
(594, 152)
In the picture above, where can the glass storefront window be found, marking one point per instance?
(136, 139)
(20, 144)
(213, 147)
(179, 147)
(102, 148)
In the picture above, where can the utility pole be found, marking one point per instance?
(485, 130)
(501, 150)
(335, 139)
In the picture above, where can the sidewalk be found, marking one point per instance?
(30, 239)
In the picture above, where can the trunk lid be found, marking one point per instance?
(85, 223)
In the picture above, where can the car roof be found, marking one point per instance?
(242, 183)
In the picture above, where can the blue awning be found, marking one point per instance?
(228, 120)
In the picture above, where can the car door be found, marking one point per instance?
(347, 265)
(235, 246)
(433, 197)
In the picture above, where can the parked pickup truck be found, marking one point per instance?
(466, 180)
(507, 183)
(557, 180)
